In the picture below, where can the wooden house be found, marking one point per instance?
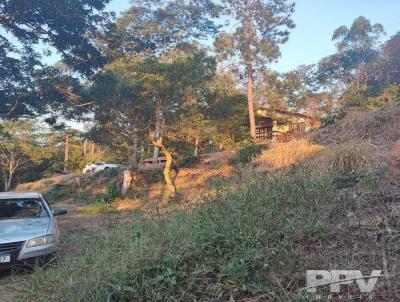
(282, 125)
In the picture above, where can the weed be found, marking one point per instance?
(365, 178)
(189, 160)
(96, 208)
(82, 197)
(356, 154)
(246, 154)
(112, 193)
(59, 192)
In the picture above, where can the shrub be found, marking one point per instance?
(348, 178)
(356, 154)
(189, 160)
(82, 197)
(112, 173)
(332, 118)
(112, 193)
(59, 192)
(246, 154)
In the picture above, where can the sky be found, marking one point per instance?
(315, 22)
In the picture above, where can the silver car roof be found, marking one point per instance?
(5, 195)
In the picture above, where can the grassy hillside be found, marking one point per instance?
(330, 203)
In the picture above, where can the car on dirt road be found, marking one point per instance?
(28, 229)
(100, 166)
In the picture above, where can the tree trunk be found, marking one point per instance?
(7, 184)
(157, 131)
(93, 148)
(196, 147)
(126, 182)
(8, 176)
(167, 170)
(168, 165)
(85, 147)
(248, 58)
(66, 152)
(250, 100)
(134, 163)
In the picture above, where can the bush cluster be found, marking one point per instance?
(246, 154)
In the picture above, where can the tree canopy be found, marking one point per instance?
(32, 30)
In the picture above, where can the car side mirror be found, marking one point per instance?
(60, 212)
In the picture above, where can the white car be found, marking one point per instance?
(100, 166)
(28, 229)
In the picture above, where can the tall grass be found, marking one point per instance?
(243, 244)
(281, 155)
(356, 154)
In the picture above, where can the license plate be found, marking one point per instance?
(5, 258)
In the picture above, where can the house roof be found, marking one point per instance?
(292, 113)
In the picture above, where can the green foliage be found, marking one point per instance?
(111, 194)
(258, 30)
(22, 145)
(246, 154)
(152, 176)
(165, 27)
(65, 27)
(59, 192)
(133, 93)
(333, 117)
(361, 34)
(365, 179)
(189, 160)
(388, 95)
(82, 197)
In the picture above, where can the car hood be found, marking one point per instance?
(12, 230)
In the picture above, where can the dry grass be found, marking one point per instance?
(281, 155)
(191, 182)
(95, 208)
(123, 204)
(44, 184)
(357, 154)
(381, 127)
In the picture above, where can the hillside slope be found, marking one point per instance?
(334, 203)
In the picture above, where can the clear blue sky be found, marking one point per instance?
(317, 19)
(315, 22)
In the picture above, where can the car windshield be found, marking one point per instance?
(20, 208)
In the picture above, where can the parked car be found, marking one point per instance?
(100, 166)
(28, 229)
